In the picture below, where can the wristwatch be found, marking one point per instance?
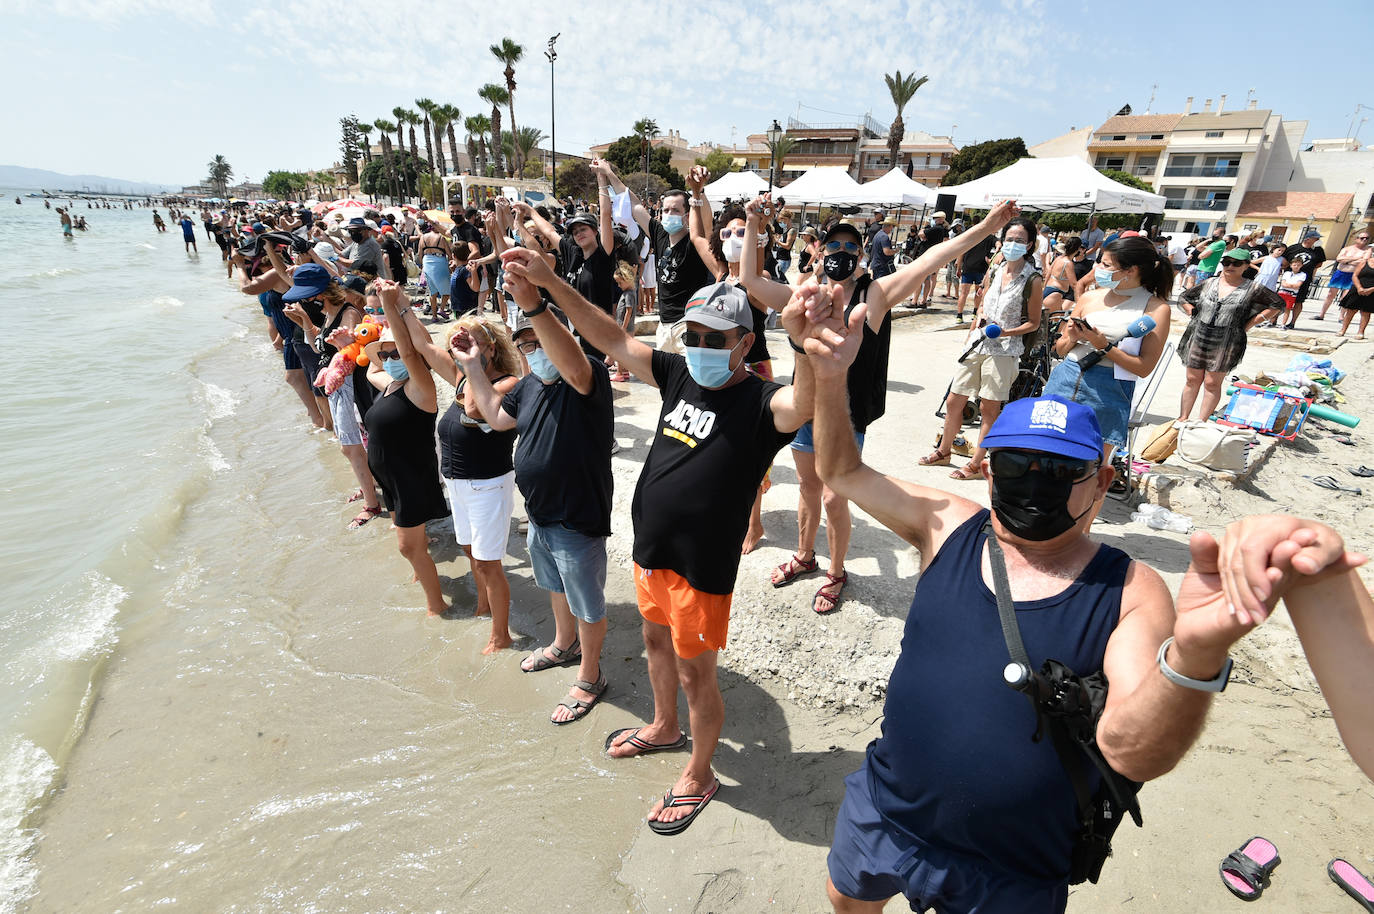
(543, 306)
(1215, 684)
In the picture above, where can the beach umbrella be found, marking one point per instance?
(438, 215)
(354, 207)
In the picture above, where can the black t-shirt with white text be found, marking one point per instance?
(1305, 260)
(709, 453)
(680, 272)
(563, 454)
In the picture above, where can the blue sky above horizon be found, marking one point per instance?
(150, 90)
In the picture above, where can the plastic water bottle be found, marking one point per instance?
(1161, 518)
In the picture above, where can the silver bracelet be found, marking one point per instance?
(1216, 684)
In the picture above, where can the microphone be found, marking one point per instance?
(988, 331)
(1138, 328)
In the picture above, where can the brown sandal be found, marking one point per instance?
(966, 472)
(936, 458)
(364, 516)
(792, 569)
(823, 596)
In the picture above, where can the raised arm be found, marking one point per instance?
(603, 191)
(434, 355)
(420, 384)
(773, 294)
(700, 222)
(921, 516)
(544, 227)
(595, 325)
(885, 293)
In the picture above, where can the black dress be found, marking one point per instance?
(1363, 303)
(402, 456)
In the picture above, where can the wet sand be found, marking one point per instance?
(295, 734)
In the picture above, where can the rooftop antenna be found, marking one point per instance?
(1151, 103)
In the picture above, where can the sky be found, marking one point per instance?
(151, 90)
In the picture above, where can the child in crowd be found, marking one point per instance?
(625, 310)
(1289, 285)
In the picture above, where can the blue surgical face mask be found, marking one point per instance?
(1103, 278)
(542, 367)
(397, 369)
(672, 224)
(710, 367)
(1013, 250)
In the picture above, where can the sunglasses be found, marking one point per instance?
(712, 340)
(1015, 464)
(834, 247)
(1228, 262)
(725, 233)
(385, 354)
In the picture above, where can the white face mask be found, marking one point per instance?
(733, 248)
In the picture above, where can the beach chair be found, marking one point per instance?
(1140, 406)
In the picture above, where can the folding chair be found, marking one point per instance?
(1140, 405)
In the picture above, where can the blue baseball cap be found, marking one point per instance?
(1049, 424)
(357, 222)
(307, 282)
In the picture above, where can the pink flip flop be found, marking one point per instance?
(1355, 883)
(1245, 872)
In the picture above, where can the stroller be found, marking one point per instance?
(1032, 373)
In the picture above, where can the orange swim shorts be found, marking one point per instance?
(698, 621)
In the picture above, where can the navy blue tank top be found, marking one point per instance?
(955, 765)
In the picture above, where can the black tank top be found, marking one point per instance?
(323, 345)
(469, 449)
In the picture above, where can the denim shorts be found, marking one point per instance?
(570, 563)
(872, 860)
(804, 442)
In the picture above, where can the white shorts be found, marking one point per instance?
(669, 337)
(481, 514)
(649, 280)
(987, 376)
(344, 412)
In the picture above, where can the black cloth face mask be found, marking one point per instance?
(1034, 506)
(840, 265)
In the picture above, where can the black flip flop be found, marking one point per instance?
(1361, 470)
(1245, 871)
(643, 745)
(697, 802)
(1356, 884)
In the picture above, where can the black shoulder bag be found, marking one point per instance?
(1069, 706)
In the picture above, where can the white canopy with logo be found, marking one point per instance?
(1065, 184)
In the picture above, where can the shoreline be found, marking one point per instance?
(281, 749)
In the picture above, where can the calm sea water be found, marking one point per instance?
(104, 437)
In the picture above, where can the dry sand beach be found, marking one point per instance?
(306, 740)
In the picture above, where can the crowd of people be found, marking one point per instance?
(962, 818)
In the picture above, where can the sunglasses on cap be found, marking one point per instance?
(1015, 464)
(834, 247)
(385, 354)
(713, 339)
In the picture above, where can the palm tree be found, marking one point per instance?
(780, 149)
(366, 131)
(477, 127)
(901, 88)
(451, 116)
(646, 129)
(509, 53)
(220, 173)
(384, 127)
(521, 143)
(438, 121)
(400, 114)
(427, 106)
(496, 96)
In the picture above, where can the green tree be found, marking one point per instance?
(439, 121)
(509, 53)
(718, 162)
(283, 185)
(901, 88)
(646, 185)
(983, 159)
(518, 145)
(220, 173)
(374, 178)
(533, 170)
(646, 129)
(427, 106)
(779, 150)
(349, 141)
(478, 127)
(365, 130)
(384, 127)
(452, 117)
(624, 154)
(496, 96)
(576, 179)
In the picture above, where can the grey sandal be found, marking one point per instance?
(579, 707)
(561, 657)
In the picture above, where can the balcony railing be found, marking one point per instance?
(1201, 171)
(1197, 203)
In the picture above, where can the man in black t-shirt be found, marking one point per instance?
(719, 429)
(1305, 258)
(562, 409)
(585, 255)
(681, 271)
(935, 233)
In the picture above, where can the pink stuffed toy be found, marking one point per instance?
(332, 376)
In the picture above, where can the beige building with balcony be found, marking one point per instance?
(859, 148)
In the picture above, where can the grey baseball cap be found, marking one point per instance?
(720, 306)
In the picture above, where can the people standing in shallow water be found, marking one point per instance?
(158, 223)
(66, 222)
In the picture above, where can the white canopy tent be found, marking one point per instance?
(735, 185)
(826, 184)
(896, 189)
(1066, 185)
(534, 191)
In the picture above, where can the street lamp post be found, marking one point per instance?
(552, 55)
(775, 133)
